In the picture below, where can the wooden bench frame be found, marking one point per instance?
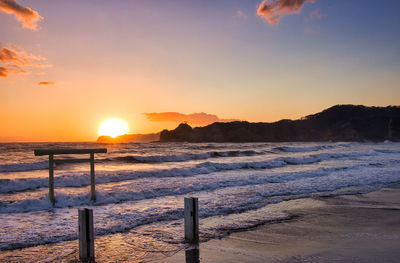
(52, 152)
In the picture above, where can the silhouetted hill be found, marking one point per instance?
(130, 138)
(338, 123)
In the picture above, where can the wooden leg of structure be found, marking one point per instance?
(92, 179)
(51, 179)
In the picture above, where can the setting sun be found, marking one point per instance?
(113, 127)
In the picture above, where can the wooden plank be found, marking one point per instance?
(191, 220)
(92, 179)
(39, 152)
(86, 235)
(51, 179)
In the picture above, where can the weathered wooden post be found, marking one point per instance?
(192, 255)
(92, 182)
(86, 235)
(191, 220)
(51, 179)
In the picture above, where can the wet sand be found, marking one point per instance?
(354, 228)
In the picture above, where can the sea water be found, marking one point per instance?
(140, 189)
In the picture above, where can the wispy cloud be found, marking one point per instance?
(310, 28)
(195, 118)
(13, 60)
(273, 10)
(28, 17)
(240, 14)
(315, 14)
(46, 83)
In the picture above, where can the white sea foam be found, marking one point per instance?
(119, 217)
(148, 189)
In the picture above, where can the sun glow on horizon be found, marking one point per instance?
(113, 127)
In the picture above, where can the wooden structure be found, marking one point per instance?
(52, 152)
(191, 220)
(86, 235)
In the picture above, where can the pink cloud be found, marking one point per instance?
(28, 17)
(13, 60)
(273, 10)
(240, 14)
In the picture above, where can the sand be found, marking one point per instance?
(354, 228)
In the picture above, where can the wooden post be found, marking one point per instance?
(86, 235)
(92, 181)
(191, 220)
(192, 254)
(51, 179)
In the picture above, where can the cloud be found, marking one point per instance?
(240, 14)
(46, 83)
(273, 10)
(3, 72)
(28, 17)
(315, 14)
(13, 60)
(195, 118)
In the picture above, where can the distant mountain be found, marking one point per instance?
(130, 138)
(338, 123)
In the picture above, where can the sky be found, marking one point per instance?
(66, 66)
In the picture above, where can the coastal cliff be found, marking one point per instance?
(338, 123)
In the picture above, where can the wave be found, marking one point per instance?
(246, 198)
(298, 149)
(22, 167)
(68, 200)
(312, 148)
(76, 180)
(183, 157)
(387, 151)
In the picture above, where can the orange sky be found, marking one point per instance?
(66, 66)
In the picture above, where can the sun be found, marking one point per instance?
(113, 127)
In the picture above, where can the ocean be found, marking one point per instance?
(141, 186)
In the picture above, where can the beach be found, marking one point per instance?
(257, 201)
(346, 228)
(349, 228)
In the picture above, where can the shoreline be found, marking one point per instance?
(345, 228)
